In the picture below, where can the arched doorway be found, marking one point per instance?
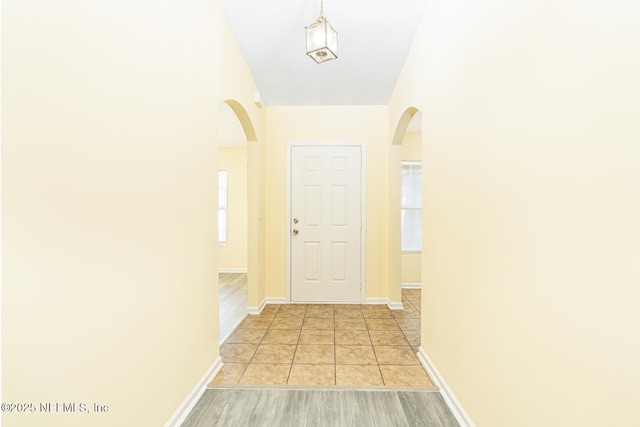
(237, 236)
(405, 237)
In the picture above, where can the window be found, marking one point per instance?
(411, 207)
(222, 206)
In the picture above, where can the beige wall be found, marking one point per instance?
(411, 147)
(233, 255)
(411, 262)
(318, 124)
(531, 202)
(109, 177)
(411, 268)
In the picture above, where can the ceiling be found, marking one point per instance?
(374, 37)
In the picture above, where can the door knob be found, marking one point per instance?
(295, 232)
(295, 220)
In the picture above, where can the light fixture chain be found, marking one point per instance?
(321, 8)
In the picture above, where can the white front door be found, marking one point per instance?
(326, 217)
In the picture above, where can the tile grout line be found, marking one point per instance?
(402, 332)
(304, 316)
(419, 319)
(335, 352)
(374, 353)
(294, 353)
(259, 344)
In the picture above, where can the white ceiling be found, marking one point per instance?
(374, 37)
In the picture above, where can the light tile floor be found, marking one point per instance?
(320, 344)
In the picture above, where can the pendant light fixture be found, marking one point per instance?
(322, 39)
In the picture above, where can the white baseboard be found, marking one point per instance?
(321, 302)
(276, 300)
(395, 305)
(233, 270)
(411, 285)
(386, 301)
(181, 414)
(257, 310)
(449, 398)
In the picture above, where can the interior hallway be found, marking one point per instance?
(324, 344)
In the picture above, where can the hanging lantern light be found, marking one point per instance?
(322, 39)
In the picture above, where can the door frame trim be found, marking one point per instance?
(363, 211)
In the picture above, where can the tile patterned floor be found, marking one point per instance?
(319, 344)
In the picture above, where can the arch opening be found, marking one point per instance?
(403, 124)
(405, 216)
(238, 243)
(243, 117)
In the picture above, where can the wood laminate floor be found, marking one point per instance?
(326, 345)
(232, 292)
(318, 408)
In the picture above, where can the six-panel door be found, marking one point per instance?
(325, 223)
